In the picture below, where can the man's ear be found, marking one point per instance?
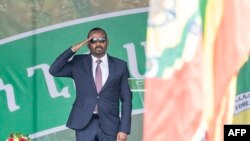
(107, 42)
(88, 45)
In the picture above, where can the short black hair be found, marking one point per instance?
(98, 28)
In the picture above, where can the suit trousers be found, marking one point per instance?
(93, 132)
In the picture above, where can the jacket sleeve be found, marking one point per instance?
(62, 66)
(126, 103)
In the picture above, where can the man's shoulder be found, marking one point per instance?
(116, 59)
(81, 56)
(78, 57)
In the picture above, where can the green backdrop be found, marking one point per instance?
(33, 102)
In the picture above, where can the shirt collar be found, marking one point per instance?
(104, 58)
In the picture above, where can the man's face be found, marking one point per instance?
(98, 44)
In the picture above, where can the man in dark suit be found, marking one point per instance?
(101, 84)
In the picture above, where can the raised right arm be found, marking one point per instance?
(62, 66)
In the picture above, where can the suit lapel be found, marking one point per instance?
(89, 71)
(111, 65)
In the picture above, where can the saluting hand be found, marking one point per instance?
(76, 47)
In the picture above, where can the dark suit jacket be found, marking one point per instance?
(116, 89)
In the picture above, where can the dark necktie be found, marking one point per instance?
(98, 76)
(98, 80)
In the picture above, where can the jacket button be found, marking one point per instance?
(98, 97)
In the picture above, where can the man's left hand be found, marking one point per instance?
(121, 136)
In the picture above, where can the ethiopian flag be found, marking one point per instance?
(194, 52)
(242, 99)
